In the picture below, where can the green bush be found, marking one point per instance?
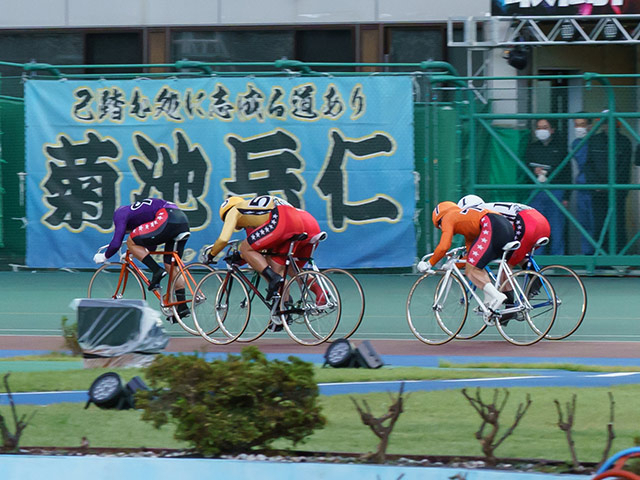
(235, 405)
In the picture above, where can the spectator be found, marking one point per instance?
(584, 210)
(598, 172)
(543, 157)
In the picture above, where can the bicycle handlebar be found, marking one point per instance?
(121, 255)
(453, 253)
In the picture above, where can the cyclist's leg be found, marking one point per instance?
(148, 236)
(141, 252)
(273, 235)
(496, 232)
(177, 280)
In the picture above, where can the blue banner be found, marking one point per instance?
(340, 148)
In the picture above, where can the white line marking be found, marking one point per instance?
(489, 379)
(2, 395)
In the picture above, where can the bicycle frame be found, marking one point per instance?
(530, 264)
(450, 267)
(255, 281)
(165, 300)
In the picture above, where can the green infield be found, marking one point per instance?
(433, 423)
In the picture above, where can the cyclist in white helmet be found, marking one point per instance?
(529, 226)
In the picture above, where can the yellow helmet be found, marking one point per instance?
(228, 204)
(440, 210)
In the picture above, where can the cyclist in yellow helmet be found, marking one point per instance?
(270, 222)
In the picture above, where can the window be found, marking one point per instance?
(232, 46)
(113, 48)
(55, 49)
(412, 45)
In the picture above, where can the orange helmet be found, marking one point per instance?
(228, 204)
(440, 210)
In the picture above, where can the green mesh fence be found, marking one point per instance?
(13, 201)
(585, 177)
(467, 140)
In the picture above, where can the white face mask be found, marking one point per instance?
(580, 132)
(542, 134)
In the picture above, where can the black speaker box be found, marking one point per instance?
(367, 357)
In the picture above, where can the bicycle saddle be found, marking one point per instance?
(299, 237)
(511, 245)
(319, 237)
(181, 236)
(542, 241)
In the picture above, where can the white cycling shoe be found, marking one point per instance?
(494, 303)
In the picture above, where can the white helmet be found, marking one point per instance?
(470, 201)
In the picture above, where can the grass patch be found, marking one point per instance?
(444, 423)
(433, 423)
(81, 379)
(49, 357)
(339, 375)
(64, 425)
(56, 381)
(571, 367)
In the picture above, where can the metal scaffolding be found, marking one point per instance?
(490, 32)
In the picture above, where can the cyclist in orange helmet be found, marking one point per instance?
(485, 233)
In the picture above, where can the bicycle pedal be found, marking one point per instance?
(275, 327)
(490, 321)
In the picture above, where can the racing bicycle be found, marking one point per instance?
(438, 305)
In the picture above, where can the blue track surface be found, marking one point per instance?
(529, 378)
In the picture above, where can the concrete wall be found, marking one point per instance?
(136, 13)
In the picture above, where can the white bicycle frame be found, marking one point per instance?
(450, 267)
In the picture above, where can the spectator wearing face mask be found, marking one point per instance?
(584, 203)
(544, 155)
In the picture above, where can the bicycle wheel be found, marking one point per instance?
(310, 308)
(437, 307)
(528, 325)
(110, 281)
(220, 307)
(352, 301)
(190, 276)
(571, 300)
(474, 323)
(260, 314)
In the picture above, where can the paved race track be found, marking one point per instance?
(34, 304)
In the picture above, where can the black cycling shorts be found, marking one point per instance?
(168, 224)
(496, 233)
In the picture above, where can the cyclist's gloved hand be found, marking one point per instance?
(99, 258)
(234, 258)
(425, 267)
(205, 255)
